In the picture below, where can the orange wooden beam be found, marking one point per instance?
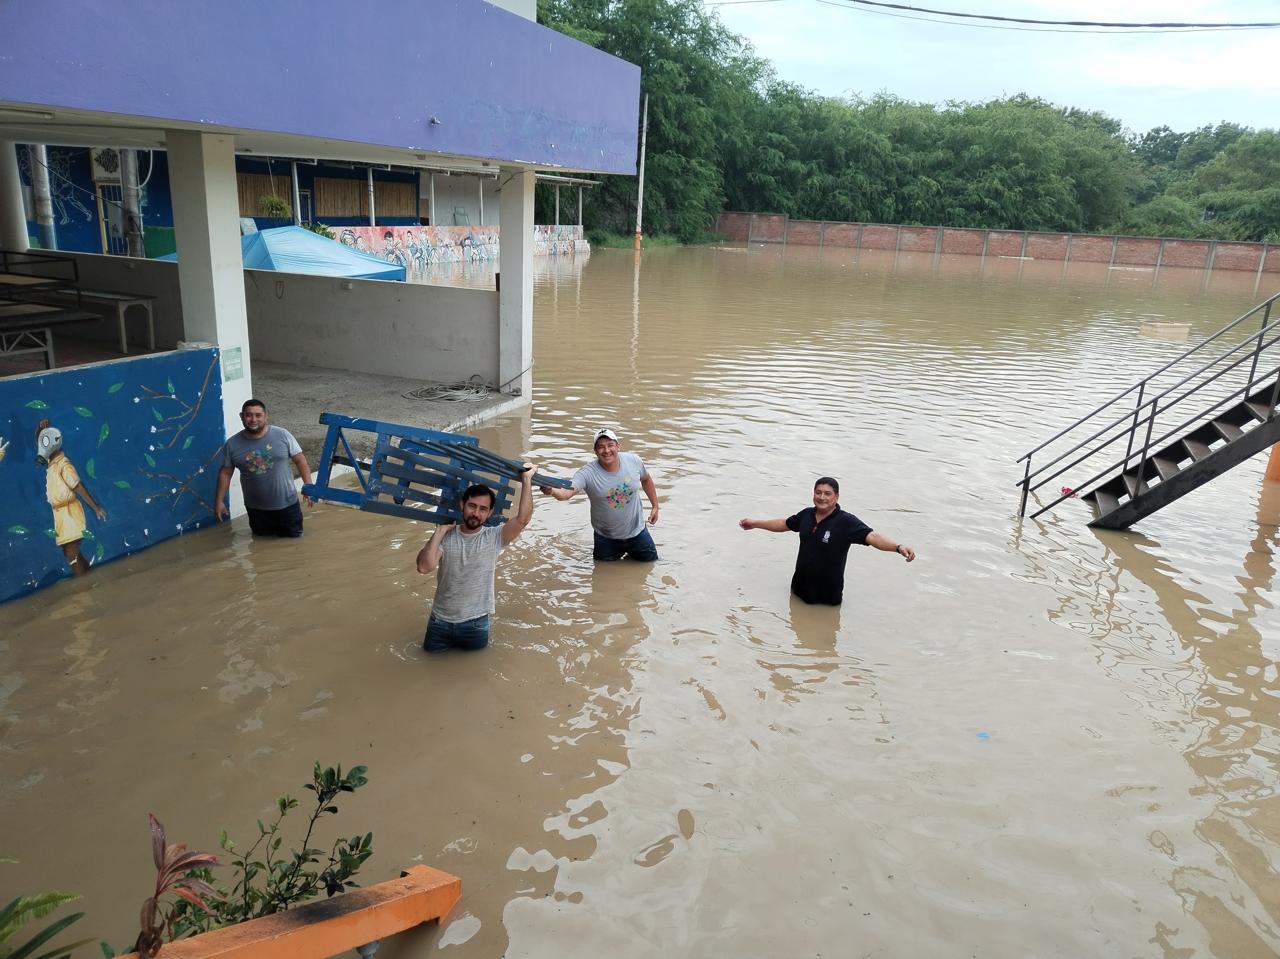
(327, 927)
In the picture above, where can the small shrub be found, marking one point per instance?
(276, 207)
(22, 910)
(265, 882)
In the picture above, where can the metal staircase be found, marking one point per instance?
(1171, 432)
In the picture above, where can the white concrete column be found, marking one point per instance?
(515, 304)
(13, 217)
(206, 223)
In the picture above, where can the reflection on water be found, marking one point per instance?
(1034, 740)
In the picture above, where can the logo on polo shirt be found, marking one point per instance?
(826, 537)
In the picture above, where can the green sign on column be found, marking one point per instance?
(232, 365)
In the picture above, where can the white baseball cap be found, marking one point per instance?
(604, 434)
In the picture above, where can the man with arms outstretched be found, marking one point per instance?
(826, 533)
(612, 482)
(466, 557)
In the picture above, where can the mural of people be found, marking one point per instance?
(64, 490)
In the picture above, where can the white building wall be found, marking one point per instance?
(436, 333)
(460, 193)
(525, 8)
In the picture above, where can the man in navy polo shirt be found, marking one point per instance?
(826, 533)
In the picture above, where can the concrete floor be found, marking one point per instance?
(297, 395)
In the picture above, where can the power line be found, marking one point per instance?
(1168, 25)
(845, 5)
(1016, 22)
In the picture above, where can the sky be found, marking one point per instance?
(1144, 80)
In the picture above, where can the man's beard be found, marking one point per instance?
(471, 523)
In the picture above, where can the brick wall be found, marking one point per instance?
(1078, 247)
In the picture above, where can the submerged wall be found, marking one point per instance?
(1155, 252)
(373, 326)
(142, 436)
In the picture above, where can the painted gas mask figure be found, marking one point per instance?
(64, 490)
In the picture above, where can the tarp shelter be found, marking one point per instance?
(293, 249)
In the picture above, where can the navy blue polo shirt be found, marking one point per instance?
(824, 547)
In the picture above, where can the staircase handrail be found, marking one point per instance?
(1150, 443)
(1143, 402)
(1143, 382)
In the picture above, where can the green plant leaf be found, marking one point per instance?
(107, 951)
(18, 530)
(122, 484)
(40, 938)
(89, 469)
(62, 952)
(188, 441)
(114, 388)
(150, 460)
(84, 411)
(103, 433)
(31, 907)
(37, 405)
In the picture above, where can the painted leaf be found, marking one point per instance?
(18, 530)
(150, 460)
(83, 411)
(37, 405)
(51, 534)
(188, 441)
(172, 390)
(88, 534)
(121, 484)
(158, 415)
(89, 470)
(103, 433)
(115, 387)
(97, 553)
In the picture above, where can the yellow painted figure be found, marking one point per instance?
(64, 490)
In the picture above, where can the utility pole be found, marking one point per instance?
(40, 195)
(644, 134)
(131, 199)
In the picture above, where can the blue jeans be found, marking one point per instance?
(638, 547)
(442, 636)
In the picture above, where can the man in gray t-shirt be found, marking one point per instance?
(466, 557)
(612, 482)
(262, 453)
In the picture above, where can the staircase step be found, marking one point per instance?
(1197, 449)
(1133, 485)
(1165, 467)
(1103, 502)
(1228, 431)
(1258, 410)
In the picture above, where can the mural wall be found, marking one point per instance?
(418, 248)
(104, 460)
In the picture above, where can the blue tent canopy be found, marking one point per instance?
(292, 249)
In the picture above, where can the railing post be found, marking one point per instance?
(1026, 488)
(1137, 408)
(1146, 447)
(1257, 350)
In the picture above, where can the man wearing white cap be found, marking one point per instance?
(612, 482)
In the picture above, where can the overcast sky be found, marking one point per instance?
(1145, 80)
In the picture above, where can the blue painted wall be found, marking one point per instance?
(498, 86)
(142, 434)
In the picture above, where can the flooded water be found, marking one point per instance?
(1036, 740)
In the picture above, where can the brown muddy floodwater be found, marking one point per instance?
(1036, 740)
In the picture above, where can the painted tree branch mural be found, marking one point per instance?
(145, 453)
